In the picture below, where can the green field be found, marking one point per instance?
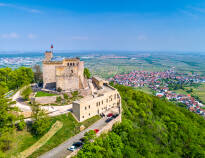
(145, 90)
(24, 139)
(180, 91)
(43, 94)
(200, 92)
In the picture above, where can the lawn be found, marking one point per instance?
(21, 141)
(44, 94)
(24, 139)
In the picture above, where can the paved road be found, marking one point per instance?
(61, 150)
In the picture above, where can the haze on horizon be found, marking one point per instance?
(102, 25)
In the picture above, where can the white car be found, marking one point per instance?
(75, 146)
(72, 148)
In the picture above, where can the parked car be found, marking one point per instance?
(75, 146)
(115, 115)
(96, 130)
(110, 115)
(109, 119)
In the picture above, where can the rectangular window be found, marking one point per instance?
(89, 106)
(85, 107)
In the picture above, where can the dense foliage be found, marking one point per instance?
(41, 122)
(87, 73)
(152, 128)
(13, 79)
(7, 124)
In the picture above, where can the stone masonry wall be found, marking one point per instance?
(45, 100)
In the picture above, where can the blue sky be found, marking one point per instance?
(153, 25)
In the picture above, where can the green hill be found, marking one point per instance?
(151, 128)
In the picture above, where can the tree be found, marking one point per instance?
(89, 136)
(14, 79)
(38, 75)
(41, 122)
(87, 73)
(22, 124)
(7, 125)
(26, 93)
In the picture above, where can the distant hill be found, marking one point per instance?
(151, 128)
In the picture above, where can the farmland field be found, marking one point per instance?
(200, 92)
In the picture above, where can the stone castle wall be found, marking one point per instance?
(66, 74)
(45, 100)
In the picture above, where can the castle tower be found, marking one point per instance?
(48, 56)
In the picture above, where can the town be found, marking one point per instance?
(163, 83)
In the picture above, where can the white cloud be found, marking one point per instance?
(31, 10)
(31, 36)
(79, 38)
(12, 35)
(141, 37)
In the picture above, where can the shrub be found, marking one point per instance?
(21, 125)
(59, 89)
(75, 93)
(58, 99)
(26, 93)
(65, 96)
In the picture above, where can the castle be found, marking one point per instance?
(66, 75)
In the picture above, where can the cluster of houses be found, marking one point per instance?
(190, 102)
(142, 78)
(160, 81)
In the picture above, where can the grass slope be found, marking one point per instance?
(55, 127)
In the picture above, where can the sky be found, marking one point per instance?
(120, 25)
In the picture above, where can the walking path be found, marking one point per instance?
(52, 110)
(61, 150)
